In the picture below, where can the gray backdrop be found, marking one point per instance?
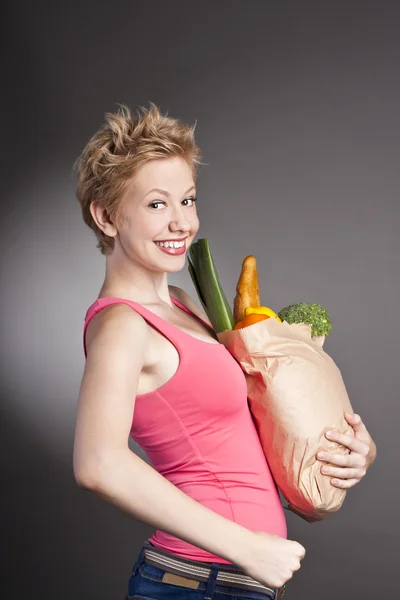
(297, 110)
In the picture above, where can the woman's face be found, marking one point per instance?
(159, 206)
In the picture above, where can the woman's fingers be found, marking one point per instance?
(348, 469)
(344, 483)
(350, 442)
(342, 460)
(341, 473)
(356, 422)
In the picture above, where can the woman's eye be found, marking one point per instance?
(192, 199)
(155, 202)
(161, 202)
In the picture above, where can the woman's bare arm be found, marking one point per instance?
(103, 461)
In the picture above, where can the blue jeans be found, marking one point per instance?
(145, 583)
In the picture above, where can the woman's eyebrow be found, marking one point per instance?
(165, 193)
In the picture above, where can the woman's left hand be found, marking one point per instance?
(348, 469)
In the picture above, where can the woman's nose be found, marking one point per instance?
(181, 221)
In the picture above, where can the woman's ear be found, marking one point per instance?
(102, 219)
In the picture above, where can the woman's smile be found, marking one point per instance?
(172, 248)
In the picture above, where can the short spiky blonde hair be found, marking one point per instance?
(116, 152)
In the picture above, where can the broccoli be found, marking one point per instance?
(315, 314)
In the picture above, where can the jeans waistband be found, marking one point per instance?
(228, 575)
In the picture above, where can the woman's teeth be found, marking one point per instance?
(171, 244)
(172, 248)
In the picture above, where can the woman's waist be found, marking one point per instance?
(269, 518)
(257, 508)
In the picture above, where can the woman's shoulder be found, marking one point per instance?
(185, 299)
(115, 321)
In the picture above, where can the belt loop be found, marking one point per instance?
(212, 581)
(135, 569)
(139, 561)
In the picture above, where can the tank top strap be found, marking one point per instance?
(186, 309)
(172, 333)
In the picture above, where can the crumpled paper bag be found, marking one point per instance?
(296, 393)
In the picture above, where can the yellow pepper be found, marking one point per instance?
(262, 310)
(256, 314)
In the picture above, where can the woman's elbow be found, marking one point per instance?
(86, 477)
(93, 473)
(87, 471)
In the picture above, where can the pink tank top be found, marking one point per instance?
(198, 432)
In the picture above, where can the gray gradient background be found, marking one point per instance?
(298, 120)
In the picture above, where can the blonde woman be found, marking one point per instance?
(156, 371)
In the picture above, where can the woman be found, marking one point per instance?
(155, 370)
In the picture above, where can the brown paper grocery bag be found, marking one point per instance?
(295, 393)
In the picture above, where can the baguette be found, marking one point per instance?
(247, 289)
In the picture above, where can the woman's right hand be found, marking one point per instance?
(272, 560)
